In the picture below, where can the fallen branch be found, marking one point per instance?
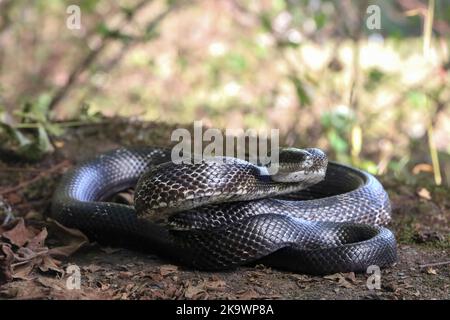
(41, 175)
(106, 39)
(434, 264)
(18, 169)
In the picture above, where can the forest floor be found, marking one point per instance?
(31, 266)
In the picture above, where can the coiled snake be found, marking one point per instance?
(310, 217)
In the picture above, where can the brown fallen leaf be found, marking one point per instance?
(341, 281)
(18, 234)
(48, 263)
(351, 277)
(248, 295)
(50, 283)
(9, 293)
(124, 197)
(37, 242)
(25, 252)
(422, 167)
(431, 270)
(92, 268)
(195, 291)
(23, 271)
(167, 269)
(6, 258)
(73, 239)
(14, 199)
(125, 274)
(218, 285)
(424, 194)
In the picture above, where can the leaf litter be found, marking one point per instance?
(23, 252)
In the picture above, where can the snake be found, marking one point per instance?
(312, 216)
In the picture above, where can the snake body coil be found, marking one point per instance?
(220, 217)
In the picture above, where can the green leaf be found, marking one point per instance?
(300, 90)
(236, 62)
(418, 99)
(320, 19)
(43, 141)
(266, 22)
(54, 129)
(106, 32)
(338, 144)
(15, 134)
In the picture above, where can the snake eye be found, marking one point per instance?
(318, 158)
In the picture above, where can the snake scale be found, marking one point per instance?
(313, 216)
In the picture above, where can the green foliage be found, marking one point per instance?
(29, 147)
(337, 125)
(30, 139)
(302, 95)
(417, 99)
(106, 32)
(374, 78)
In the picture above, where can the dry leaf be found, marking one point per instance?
(218, 285)
(50, 283)
(424, 194)
(125, 274)
(50, 264)
(73, 238)
(23, 271)
(431, 270)
(37, 242)
(31, 254)
(340, 280)
(351, 277)
(248, 295)
(19, 234)
(167, 269)
(195, 292)
(422, 167)
(93, 268)
(6, 258)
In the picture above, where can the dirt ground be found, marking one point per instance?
(35, 256)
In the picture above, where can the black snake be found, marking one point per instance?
(214, 215)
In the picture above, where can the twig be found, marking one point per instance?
(434, 264)
(128, 45)
(90, 57)
(427, 35)
(32, 204)
(65, 124)
(5, 8)
(18, 169)
(37, 178)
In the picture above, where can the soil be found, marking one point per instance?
(421, 222)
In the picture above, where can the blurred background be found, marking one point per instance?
(319, 71)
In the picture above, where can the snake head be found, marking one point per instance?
(300, 165)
